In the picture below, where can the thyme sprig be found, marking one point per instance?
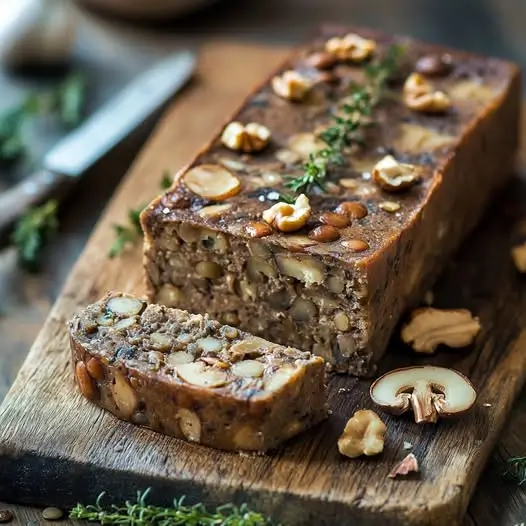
(347, 126)
(516, 470)
(130, 233)
(140, 513)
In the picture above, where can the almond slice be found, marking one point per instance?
(212, 181)
(125, 306)
(198, 374)
(248, 369)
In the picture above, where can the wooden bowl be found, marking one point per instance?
(152, 9)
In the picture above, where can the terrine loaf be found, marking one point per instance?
(332, 199)
(188, 376)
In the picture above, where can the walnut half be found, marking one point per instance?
(430, 327)
(286, 217)
(364, 434)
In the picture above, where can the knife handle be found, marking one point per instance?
(34, 189)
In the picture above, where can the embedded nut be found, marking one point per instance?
(351, 47)
(259, 249)
(364, 434)
(257, 229)
(341, 321)
(213, 210)
(355, 245)
(430, 327)
(160, 341)
(249, 138)
(419, 95)
(291, 85)
(210, 344)
(247, 291)
(296, 243)
(248, 347)
(179, 357)
(257, 267)
(335, 220)
(188, 233)
(321, 60)
(229, 332)
(389, 206)
(346, 345)
(350, 184)
(123, 395)
(248, 438)
(414, 138)
(303, 268)
(209, 269)
(280, 378)
(105, 320)
(232, 164)
(189, 424)
(303, 310)
(271, 178)
(324, 302)
(518, 254)
(125, 323)
(336, 284)
(305, 144)
(230, 318)
(436, 65)
(289, 218)
(248, 369)
(169, 295)
(212, 240)
(287, 157)
(86, 384)
(352, 209)
(324, 233)
(211, 181)
(197, 373)
(124, 305)
(393, 176)
(95, 369)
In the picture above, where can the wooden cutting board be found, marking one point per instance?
(57, 448)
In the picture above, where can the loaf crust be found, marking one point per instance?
(190, 377)
(329, 298)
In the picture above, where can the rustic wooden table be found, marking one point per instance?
(113, 52)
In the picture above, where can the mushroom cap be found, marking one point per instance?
(459, 393)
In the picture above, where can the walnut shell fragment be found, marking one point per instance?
(407, 465)
(428, 390)
(430, 327)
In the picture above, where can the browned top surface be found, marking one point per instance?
(476, 84)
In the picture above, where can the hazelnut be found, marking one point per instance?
(364, 434)
(257, 229)
(436, 65)
(419, 95)
(393, 176)
(211, 181)
(291, 85)
(352, 209)
(247, 138)
(351, 47)
(286, 217)
(321, 60)
(430, 327)
(324, 234)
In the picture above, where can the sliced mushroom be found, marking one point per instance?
(428, 390)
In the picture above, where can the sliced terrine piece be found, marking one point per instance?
(188, 376)
(334, 273)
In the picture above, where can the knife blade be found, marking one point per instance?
(99, 134)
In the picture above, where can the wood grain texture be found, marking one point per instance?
(48, 432)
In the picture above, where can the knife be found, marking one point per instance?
(99, 134)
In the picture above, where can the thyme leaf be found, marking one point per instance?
(140, 513)
(347, 126)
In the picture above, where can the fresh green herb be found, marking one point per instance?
(66, 101)
(166, 181)
(142, 514)
(347, 128)
(32, 231)
(516, 470)
(129, 234)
